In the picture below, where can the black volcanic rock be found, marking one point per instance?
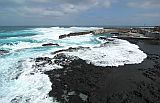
(81, 82)
(74, 34)
(71, 49)
(42, 61)
(63, 59)
(3, 52)
(50, 44)
(75, 81)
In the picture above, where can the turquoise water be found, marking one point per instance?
(23, 43)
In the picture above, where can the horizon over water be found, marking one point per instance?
(21, 82)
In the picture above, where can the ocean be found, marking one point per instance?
(21, 82)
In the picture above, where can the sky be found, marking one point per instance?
(79, 12)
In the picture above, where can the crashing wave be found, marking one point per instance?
(113, 53)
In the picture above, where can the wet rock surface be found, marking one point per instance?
(80, 82)
(74, 34)
(71, 49)
(50, 44)
(2, 52)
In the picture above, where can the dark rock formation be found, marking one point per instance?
(106, 38)
(83, 78)
(3, 52)
(80, 82)
(124, 84)
(74, 34)
(50, 44)
(71, 49)
(115, 31)
(39, 59)
(63, 60)
(42, 61)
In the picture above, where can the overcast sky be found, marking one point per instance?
(79, 12)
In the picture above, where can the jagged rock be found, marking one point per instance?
(3, 52)
(62, 36)
(42, 61)
(74, 34)
(71, 49)
(63, 59)
(50, 44)
(39, 59)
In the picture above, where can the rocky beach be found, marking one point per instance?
(86, 83)
(81, 82)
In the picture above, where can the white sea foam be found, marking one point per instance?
(54, 32)
(79, 29)
(32, 86)
(21, 45)
(85, 40)
(116, 53)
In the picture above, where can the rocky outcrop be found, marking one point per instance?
(106, 38)
(74, 34)
(98, 31)
(71, 49)
(50, 44)
(3, 52)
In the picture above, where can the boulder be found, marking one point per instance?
(3, 52)
(102, 38)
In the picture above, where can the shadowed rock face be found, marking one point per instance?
(50, 44)
(3, 52)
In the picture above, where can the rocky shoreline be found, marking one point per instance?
(134, 33)
(95, 32)
(80, 82)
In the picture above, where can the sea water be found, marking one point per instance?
(19, 85)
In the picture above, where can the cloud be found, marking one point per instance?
(55, 8)
(149, 15)
(145, 4)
